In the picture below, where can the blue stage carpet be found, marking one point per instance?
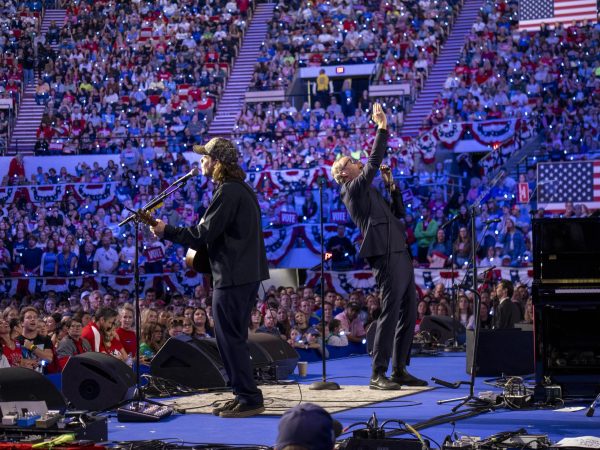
(263, 430)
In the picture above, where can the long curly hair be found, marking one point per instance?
(225, 171)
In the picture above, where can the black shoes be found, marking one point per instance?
(233, 409)
(240, 410)
(383, 383)
(404, 378)
(227, 405)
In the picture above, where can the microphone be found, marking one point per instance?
(491, 221)
(592, 408)
(590, 411)
(446, 383)
(192, 173)
(481, 277)
(488, 270)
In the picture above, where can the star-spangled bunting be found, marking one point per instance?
(576, 181)
(534, 13)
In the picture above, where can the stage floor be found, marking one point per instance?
(205, 428)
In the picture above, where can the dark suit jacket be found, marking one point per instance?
(231, 228)
(379, 225)
(506, 315)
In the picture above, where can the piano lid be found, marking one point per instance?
(566, 251)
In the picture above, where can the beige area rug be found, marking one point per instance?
(280, 398)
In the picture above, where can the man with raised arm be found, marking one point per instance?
(384, 247)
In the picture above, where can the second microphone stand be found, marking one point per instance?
(477, 325)
(323, 385)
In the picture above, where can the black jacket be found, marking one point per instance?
(506, 315)
(231, 229)
(379, 225)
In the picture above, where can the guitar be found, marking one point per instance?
(195, 259)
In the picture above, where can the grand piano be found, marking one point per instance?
(566, 298)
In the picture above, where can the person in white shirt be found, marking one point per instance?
(106, 258)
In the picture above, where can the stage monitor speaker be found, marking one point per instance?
(195, 363)
(442, 328)
(96, 381)
(502, 352)
(278, 353)
(21, 384)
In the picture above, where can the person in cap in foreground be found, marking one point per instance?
(307, 427)
(384, 247)
(231, 230)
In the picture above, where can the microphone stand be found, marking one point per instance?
(132, 409)
(323, 385)
(477, 325)
(477, 322)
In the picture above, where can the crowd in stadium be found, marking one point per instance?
(136, 73)
(42, 333)
(141, 80)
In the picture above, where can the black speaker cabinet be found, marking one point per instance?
(508, 352)
(192, 362)
(96, 381)
(197, 363)
(277, 352)
(21, 384)
(441, 328)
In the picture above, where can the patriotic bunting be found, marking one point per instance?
(346, 282)
(101, 194)
(185, 282)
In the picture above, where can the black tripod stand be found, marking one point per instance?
(323, 385)
(477, 326)
(140, 408)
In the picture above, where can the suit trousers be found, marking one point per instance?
(396, 324)
(232, 307)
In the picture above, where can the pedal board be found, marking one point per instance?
(143, 412)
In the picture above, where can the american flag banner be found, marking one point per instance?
(574, 181)
(534, 13)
